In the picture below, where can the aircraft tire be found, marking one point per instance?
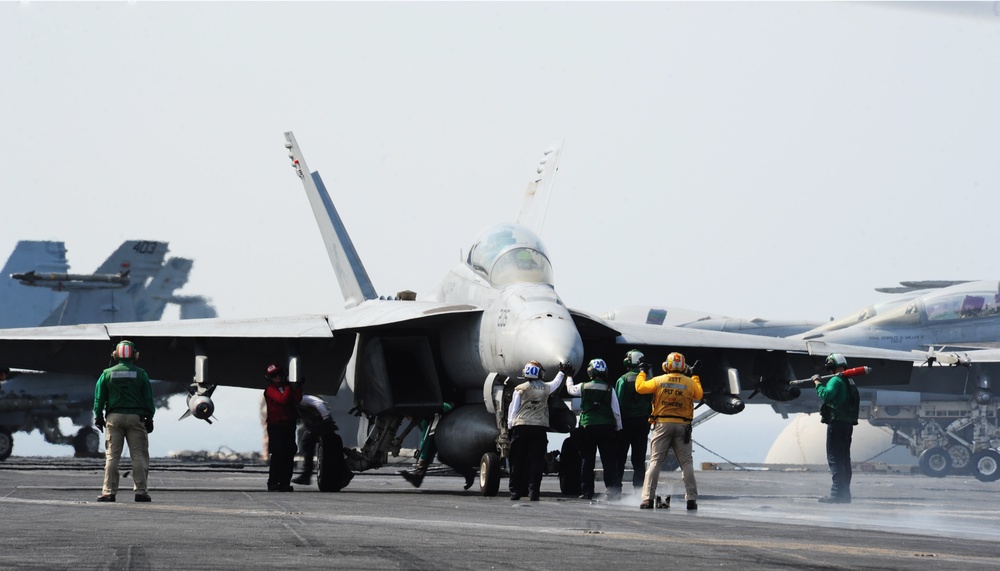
(986, 465)
(489, 474)
(87, 443)
(6, 444)
(935, 462)
(569, 468)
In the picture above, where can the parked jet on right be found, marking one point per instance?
(950, 425)
(945, 417)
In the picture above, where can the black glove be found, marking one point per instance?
(149, 424)
(99, 423)
(566, 368)
(693, 369)
(646, 368)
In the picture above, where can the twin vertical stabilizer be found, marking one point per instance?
(351, 274)
(536, 196)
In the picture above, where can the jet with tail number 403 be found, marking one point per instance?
(466, 342)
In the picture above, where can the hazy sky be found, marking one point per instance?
(750, 159)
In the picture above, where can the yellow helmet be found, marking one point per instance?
(674, 363)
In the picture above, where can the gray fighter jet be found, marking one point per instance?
(947, 414)
(947, 418)
(465, 342)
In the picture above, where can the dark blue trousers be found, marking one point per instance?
(838, 455)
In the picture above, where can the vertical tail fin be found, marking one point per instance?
(152, 301)
(351, 274)
(536, 196)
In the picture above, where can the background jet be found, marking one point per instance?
(32, 400)
(946, 415)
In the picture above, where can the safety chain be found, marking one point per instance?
(728, 461)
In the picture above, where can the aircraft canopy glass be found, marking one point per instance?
(510, 253)
(966, 301)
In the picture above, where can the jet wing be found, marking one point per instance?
(237, 351)
(759, 360)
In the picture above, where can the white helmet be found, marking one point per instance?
(633, 359)
(597, 369)
(835, 360)
(674, 363)
(533, 370)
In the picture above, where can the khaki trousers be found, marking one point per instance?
(119, 429)
(667, 435)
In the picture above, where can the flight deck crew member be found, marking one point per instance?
(321, 428)
(528, 421)
(124, 393)
(839, 413)
(281, 398)
(600, 419)
(635, 409)
(673, 409)
(428, 450)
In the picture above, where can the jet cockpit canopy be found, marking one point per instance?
(506, 254)
(966, 301)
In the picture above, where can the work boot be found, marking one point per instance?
(470, 477)
(106, 498)
(143, 498)
(692, 505)
(416, 476)
(304, 479)
(646, 505)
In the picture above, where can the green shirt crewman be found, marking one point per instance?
(839, 413)
(123, 407)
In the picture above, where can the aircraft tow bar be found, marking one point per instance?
(855, 372)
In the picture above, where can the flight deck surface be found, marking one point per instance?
(218, 515)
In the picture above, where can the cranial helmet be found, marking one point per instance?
(835, 360)
(674, 363)
(633, 358)
(597, 369)
(125, 351)
(533, 370)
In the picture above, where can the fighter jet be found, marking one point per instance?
(947, 414)
(947, 418)
(465, 342)
(32, 400)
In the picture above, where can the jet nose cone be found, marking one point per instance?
(550, 341)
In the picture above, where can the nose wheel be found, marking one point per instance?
(489, 474)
